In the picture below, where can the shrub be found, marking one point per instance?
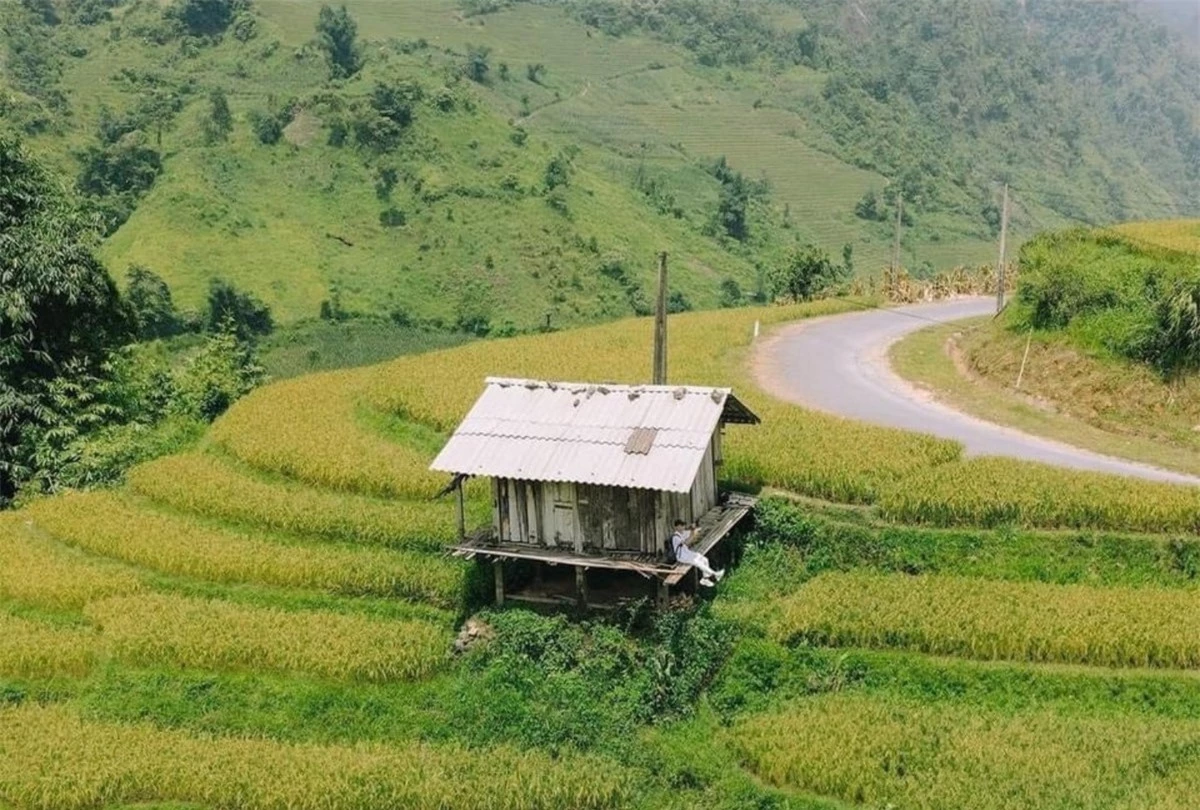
(392, 218)
(242, 312)
(477, 66)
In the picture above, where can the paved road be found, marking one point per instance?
(839, 364)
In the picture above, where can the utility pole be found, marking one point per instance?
(899, 223)
(660, 324)
(1003, 249)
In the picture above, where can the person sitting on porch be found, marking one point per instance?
(679, 544)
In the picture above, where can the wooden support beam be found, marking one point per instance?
(462, 511)
(664, 595)
(498, 572)
(581, 586)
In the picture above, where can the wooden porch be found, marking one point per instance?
(713, 527)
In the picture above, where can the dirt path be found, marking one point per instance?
(839, 364)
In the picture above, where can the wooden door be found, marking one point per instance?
(563, 521)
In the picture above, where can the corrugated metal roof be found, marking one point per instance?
(544, 431)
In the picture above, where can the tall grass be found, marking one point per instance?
(988, 619)
(35, 572)
(883, 752)
(33, 649)
(108, 524)
(206, 485)
(51, 759)
(998, 491)
(218, 635)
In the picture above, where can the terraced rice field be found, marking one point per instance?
(268, 622)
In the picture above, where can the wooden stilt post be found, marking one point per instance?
(664, 595)
(462, 512)
(581, 585)
(498, 571)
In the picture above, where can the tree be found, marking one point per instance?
(395, 100)
(733, 201)
(558, 172)
(231, 309)
(731, 293)
(220, 119)
(477, 65)
(224, 369)
(870, 207)
(33, 63)
(150, 305)
(534, 72)
(43, 10)
(115, 175)
(807, 272)
(207, 18)
(337, 34)
(60, 312)
(732, 204)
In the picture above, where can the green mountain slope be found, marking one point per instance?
(1089, 113)
(451, 223)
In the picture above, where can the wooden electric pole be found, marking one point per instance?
(660, 324)
(899, 223)
(1003, 249)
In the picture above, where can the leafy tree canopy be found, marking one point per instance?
(208, 18)
(59, 309)
(807, 272)
(232, 309)
(337, 34)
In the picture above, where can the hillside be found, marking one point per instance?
(1101, 338)
(267, 621)
(448, 220)
(828, 107)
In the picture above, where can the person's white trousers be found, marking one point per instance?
(697, 561)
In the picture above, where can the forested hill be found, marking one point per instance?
(488, 164)
(1091, 108)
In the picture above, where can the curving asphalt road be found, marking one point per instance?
(839, 364)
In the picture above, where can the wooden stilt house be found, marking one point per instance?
(592, 477)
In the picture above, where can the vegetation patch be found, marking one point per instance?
(216, 635)
(988, 619)
(881, 751)
(206, 485)
(1113, 295)
(115, 527)
(36, 572)
(33, 649)
(109, 763)
(1002, 492)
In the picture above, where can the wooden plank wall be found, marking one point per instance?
(563, 515)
